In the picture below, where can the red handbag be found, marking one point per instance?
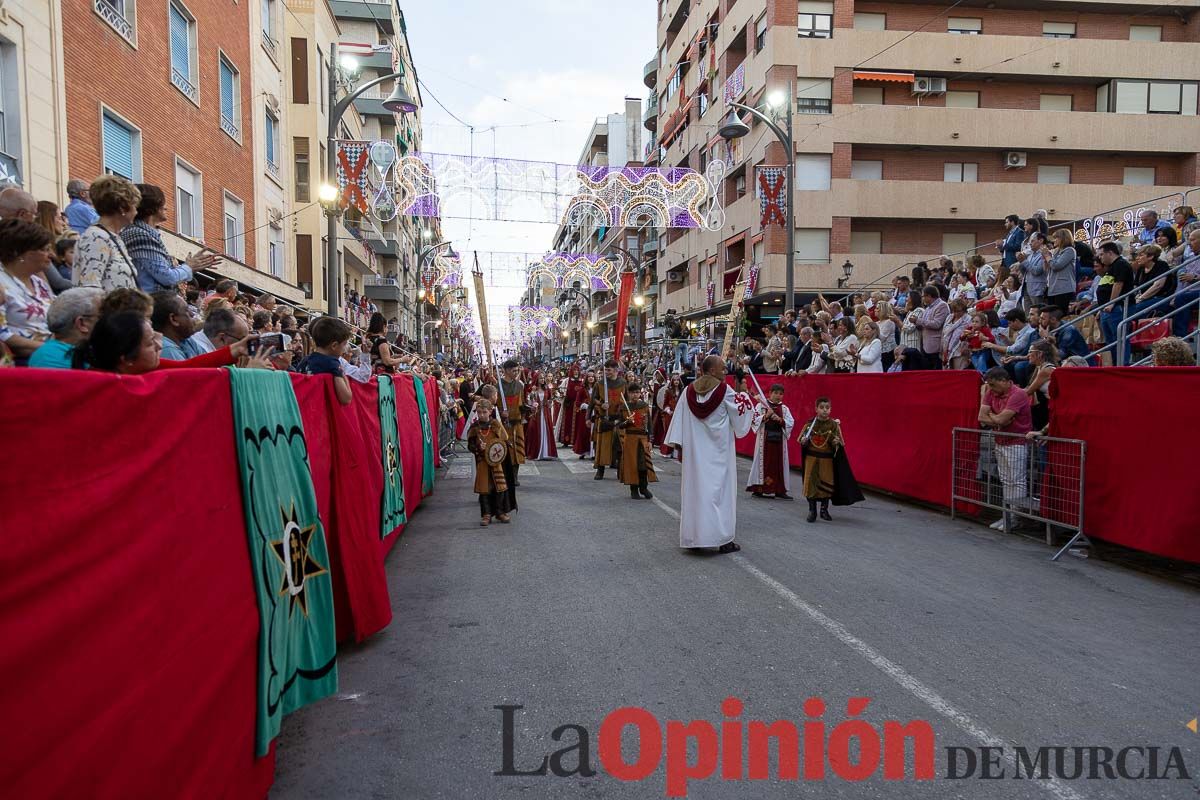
(1149, 331)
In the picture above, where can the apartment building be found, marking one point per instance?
(272, 169)
(615, 140)
(917, 129)
(162, 93)
(33, 124)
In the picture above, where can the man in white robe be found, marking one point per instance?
(770, 472)
(708, 418)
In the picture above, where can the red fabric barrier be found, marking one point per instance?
(1141, 448)
(897, 425)
(127, 613)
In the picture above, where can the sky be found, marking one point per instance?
(531, 77)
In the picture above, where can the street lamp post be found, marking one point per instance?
(398, 102)
(427, 252)
(734, 128)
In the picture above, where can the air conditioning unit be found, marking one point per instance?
(923, 84)
(676, 275)
(1014, 159)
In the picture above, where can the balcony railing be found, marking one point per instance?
(273, 169)
(183, 84)
(231, 128)
(269, 45)
(114, 17)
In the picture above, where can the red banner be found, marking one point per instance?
(897, 425)
(624, 295)
(129, 621)
(1141, 451)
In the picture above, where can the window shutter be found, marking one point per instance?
(181, 60)
(118, 148)
(227, 93)
(300, 70)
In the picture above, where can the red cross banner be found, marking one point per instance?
(771, 181)
(352, 174)
(624, 296)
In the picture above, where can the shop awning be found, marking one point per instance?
(884, 77)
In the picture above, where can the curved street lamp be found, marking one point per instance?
(398, 102)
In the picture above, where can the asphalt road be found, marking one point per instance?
(585, 604)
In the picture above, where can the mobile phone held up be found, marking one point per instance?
(267, 340)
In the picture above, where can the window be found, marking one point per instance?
(869, 22)
(10, 112)
(1145, 33)
(954, 172)
(812, 172)
(815, 96)
(868, 95)
(962, 99)
(760, 33)
(759, 252)
(268, 27)
(271, 136)
(1138, 176)
(275, 249)
(302, 173)
(188, 204)
(954, 243)
(816, 20)
(121, 16)
(304, 262)
(183, 51)
(235, 228)
(739, 185)
(866, 171)
(1058, 30)
(966, 25)
(1054, 174)
(300, 70)
(1147, 97)
(866, 242)
(231, 99)
(122, 147)
(812, 245)
(1056, 102)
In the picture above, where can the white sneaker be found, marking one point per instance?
(998, 525)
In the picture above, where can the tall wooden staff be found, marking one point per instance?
(481, 304)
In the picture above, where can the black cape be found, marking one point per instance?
(846, 491)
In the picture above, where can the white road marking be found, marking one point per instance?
(888, 667)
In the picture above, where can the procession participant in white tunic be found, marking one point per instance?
(704, 427)
(770, 473)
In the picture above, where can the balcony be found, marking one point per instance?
(1002, 129)
(379, 13)
(370, 104)
(378, 61)
(980, 201)
(650, 73)
(383, 287)
(650, 115)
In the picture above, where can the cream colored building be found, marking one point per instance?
(269, 119)
(918, 130)
(33, 134)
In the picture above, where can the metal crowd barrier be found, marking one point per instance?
(1039, 479)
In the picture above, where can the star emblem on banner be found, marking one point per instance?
(293, 552)
(392, 464)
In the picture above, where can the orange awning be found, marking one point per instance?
(887, 77)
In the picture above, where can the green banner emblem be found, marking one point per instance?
(297, 649)
(426, 438)
(392, 513)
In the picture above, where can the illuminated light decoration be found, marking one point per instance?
(532, 322)
(435, 184)
(771, 199)
(383, 159)
(735, 85)
(564, 269)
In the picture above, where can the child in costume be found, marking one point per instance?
(769, 472)
(488, 440)
(636, 471)
(827, 474)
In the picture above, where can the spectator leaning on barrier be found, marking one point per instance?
(1006, 409)
(222, 328)
(70, 319)
(101, 258)
(329, 335)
